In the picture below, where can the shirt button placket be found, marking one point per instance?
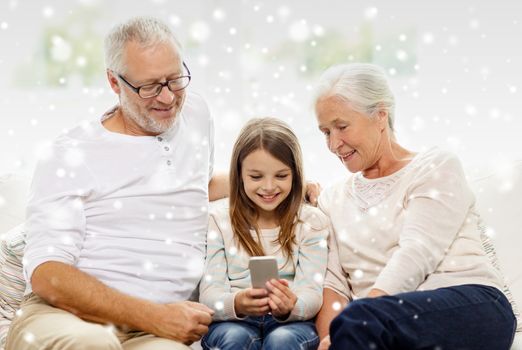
(166, 149)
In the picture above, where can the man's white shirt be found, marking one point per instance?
(131, 211)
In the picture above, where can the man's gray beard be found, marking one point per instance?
(146, 123)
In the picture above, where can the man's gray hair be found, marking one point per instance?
(146, 31)
(363, 85)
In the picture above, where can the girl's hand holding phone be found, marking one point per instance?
(251, 302)
(281, 298)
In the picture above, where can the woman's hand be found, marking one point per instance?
(251, 302)
(281, 299)
(375, 293)
(313, 190)
(325, 343)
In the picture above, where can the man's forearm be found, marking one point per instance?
(218, 187)
(70, 289)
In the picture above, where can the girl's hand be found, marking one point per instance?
(251, 302)
(281, 299)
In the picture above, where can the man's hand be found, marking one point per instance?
(313, 190)
(251, 302)
(185, 322)
(325, 343)
(92, 300)
(282, 299)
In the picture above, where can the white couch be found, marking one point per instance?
(499, 199)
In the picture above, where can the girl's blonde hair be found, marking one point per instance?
(275, 137)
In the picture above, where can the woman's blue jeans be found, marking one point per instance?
(473, 317)
(255, 333)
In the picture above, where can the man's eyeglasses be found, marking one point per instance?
(153, 90)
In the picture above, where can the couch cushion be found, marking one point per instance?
(499, 192)
(491, 253)
(12, 283)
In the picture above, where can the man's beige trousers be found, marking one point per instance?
(41, 326)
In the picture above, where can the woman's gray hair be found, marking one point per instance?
(363, 85)
(146, 31)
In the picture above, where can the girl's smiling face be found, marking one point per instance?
(267, 181)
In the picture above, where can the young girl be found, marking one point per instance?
(265, 215)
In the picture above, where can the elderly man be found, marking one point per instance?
(118, 213)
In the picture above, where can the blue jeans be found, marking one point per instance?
(473, 317)
(254, 333)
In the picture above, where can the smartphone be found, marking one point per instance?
(262, 269)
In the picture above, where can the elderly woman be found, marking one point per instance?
(407, 254)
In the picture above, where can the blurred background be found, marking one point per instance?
(455, 67)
